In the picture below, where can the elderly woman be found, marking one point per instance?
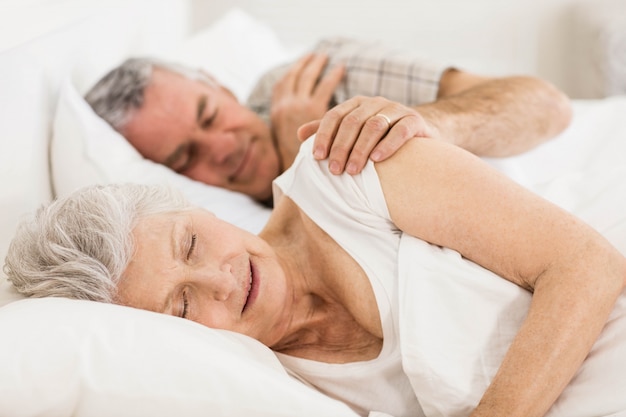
(327, 283)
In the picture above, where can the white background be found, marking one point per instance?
(554, 39)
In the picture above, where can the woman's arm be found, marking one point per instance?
(448, 197)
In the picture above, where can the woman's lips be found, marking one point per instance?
(253, 289)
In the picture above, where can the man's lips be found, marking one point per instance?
(243, 163)
(252, 289)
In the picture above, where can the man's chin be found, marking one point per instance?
(265, 198)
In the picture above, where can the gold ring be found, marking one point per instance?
(387, 119)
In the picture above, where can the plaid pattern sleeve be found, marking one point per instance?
(372, 69)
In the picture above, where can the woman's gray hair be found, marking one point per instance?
(121, 91)
(79, 246)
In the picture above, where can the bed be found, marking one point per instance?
(62, 357)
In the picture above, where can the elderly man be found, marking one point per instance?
(378, 99)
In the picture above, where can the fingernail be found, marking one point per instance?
(318, 153)
(334, 167)
(376, 155)
(351, 168)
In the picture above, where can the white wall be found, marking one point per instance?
(24, 20)
(560, 40)
(488, 36)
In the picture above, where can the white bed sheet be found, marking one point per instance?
(583, 171)
(460, 305)
(29, 330)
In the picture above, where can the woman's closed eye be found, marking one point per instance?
(185, 301)
(192, 245)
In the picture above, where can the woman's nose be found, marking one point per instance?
(219, 283)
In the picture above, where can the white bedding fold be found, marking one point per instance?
(457, 319)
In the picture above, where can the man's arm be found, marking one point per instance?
(492, 117)
(497, 117)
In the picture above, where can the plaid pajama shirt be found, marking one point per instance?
(372, 69)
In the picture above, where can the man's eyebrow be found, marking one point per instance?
(171, 160)
(201, 106)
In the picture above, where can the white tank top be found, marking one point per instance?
(353, 211)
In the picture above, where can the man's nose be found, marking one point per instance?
(219, 148)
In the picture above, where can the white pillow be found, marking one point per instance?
(84, 358)
(24, 178)
(62, 357)
(56, 38)
(85, 150)
(237, 49)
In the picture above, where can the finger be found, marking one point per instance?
(310, 74)
(361, 126)
(327, 85)
(374, 130)
(407, 127)
(307, 130)
(327, 132)
(390, 143)
(288, 82)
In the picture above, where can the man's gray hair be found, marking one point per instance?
(121, 91)
(79, 246)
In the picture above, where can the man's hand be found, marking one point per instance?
(300, 96)
(362, 128)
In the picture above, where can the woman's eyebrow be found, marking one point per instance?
(176, 234)
(176, 238)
